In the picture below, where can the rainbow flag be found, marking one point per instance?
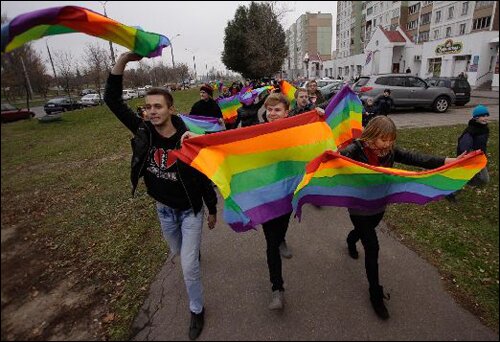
(258, 168)
(334, 180)
(201, 124)
(344, 116)
(228, 107)
(70, 19)
(249, 96)
(289, 91)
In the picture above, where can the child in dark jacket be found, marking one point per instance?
(376, 147)
(385, 103)
(475, 137)
(369, 111)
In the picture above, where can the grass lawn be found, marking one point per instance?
(65, 192)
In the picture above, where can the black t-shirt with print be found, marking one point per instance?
(161, 174)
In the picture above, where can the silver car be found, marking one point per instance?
(406, 91)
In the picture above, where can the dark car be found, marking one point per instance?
(331, 89)
(11, 113)
(61, 104)
(459, 85)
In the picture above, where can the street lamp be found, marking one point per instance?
(172, 48)
(306, 62)
(103, 3)
(194, 62)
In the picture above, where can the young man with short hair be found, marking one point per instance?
(178, 189)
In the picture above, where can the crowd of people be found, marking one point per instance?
(181, 192)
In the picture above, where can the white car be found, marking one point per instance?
(91, 100)
(142, 91)
(129, 94)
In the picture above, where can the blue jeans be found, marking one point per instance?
(182, 230)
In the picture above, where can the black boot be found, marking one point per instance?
(353, 252)
(196, 325)
(377, 300)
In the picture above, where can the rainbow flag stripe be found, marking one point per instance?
(201, 124)
(258, 168)
(228, 107)
(344, 115)
(289, 91)
(71, 19)
(334, 180)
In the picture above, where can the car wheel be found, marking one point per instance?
(441, 104)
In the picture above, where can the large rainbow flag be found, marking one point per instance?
(334, 180)
(70, 19)
(289, 91)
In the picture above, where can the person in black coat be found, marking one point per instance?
(178, 189)
(248, 115)
(385, 103)
(376, 146)
(369, 111)
(207, 105)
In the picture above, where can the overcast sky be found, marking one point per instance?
(199, 24)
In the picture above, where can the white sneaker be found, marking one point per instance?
(285, 251)
(277, 302)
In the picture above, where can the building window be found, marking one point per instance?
(448, 31)
(425, 18)
(436, 34)
(427, 3)
(451, 11)
(481, 23)
(423, 37)
(369, 11)
(411, 25)
(414, 8)
(465, 8)
(462, 29)
(438, 16)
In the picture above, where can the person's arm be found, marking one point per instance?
(418, 159)
(210, 199)
(114, 89)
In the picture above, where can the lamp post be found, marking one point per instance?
(194, 62)
(103, 3)
(172, 49)
(306, 62)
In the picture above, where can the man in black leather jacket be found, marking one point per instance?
(178, 189)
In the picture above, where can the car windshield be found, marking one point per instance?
(8, 106)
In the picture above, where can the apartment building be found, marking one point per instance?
(309, 42)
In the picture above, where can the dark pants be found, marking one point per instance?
(275, 231)
(364, 229)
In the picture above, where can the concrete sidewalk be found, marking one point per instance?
(326, 291)
(487, 94)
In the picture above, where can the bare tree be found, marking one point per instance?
(65, 65)
(98, 64)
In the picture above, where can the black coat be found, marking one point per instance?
(208, 108)
(198, 187)
(384, 105)
(474, 137)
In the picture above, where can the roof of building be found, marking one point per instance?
(394, 36)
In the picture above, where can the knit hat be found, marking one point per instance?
(208, 89)
(480, 110)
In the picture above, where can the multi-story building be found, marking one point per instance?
(440, 38)
(309, 42)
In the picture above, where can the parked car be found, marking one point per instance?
(11, 113)
(331, 89)
(130, 94)
(459, 85)
(406, 91)
(91, 100)
(321, 83)
(61, 104)
(142, 91)
(87, 91)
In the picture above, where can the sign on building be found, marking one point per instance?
(448, 47)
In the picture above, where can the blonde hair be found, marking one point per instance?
(300, 90)
(379, 127)
(275, 98)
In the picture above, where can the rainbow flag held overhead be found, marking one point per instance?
(71, 19)
(289, 91)
(201, 124)
(258, 168)
(248, 97)
(344, 116)
(228, 107)
(334, 180)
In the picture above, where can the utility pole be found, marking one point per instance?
(103, 3)
(27, 78)
(53, 68)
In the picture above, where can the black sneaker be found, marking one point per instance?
(196, 325)
(377, 299)
(353, 252)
